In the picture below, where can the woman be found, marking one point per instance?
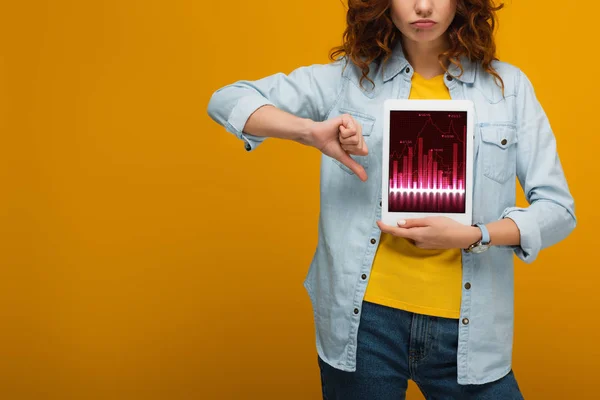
(412, 301)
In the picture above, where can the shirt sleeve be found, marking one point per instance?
(307, 92)
(550, 216)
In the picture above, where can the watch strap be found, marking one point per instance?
(485, 234)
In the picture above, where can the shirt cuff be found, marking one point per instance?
(236, 122)
(531, 239)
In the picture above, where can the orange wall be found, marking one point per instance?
(145, 255)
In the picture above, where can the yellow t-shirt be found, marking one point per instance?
(407, 277)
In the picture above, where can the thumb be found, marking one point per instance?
(413, 222)
(349, 162)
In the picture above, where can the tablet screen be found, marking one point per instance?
(427, 161)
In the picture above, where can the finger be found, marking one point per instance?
(413, 222)
(353, 140)
(350, 128)
(350, 146)
(355, 145)
(350, 149)
(358, 128)
(354, 151)
(350, 123)
(355, 167)
(347, 121)
(346, 133)
(400, 232)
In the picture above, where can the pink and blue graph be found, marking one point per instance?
(427, 161)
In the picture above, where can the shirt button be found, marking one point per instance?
(504, 141)
(356, 311)
(465, 321)
(373, 241)
(407, 70)
(467, 286)
(380, 203)
(448, 78)
(363, 276)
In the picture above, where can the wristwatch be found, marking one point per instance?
(481, 245)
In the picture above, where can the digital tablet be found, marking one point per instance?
(427, 163)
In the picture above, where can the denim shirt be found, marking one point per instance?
(513, 140)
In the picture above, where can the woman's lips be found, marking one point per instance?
(424, 23)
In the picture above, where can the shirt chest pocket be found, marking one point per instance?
(499, 151)
(367, 122)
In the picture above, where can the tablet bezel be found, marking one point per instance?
(391, 218)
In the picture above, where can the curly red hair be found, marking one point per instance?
(371, 35)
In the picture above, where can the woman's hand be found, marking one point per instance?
(434, 232)
(351, 138)
(338, 138)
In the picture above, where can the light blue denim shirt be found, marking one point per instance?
(513, 140)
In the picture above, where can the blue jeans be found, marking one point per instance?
(395, 346)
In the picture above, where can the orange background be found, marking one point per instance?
(145, 255)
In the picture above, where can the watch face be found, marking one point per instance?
(480, 249)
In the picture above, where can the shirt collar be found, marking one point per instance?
(397, 62)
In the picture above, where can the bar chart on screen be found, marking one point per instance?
(427, 161)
